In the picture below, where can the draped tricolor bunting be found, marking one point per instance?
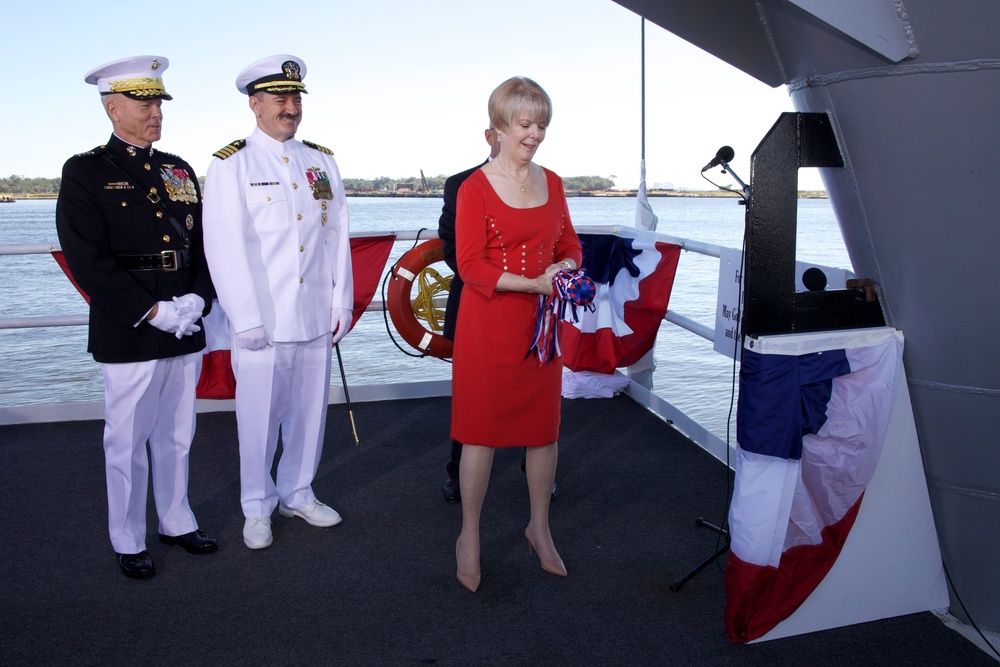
(810, 430)
(368, 259)
(216, 380)
(61, 261)
(369, 255)
(634, 276)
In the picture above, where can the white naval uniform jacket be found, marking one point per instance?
(279, 256)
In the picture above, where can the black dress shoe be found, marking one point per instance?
(137, 566)
(196, 542)
(452, 494)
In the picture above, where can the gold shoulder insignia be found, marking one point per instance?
(169, 155)
(321, 149)
(230, 149)
(93, 151)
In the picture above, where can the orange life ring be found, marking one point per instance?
(399, 303)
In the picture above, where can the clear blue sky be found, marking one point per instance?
(394, 87)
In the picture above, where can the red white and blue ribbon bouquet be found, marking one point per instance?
(571, 290)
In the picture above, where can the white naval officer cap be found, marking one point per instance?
(275, 74)
(137, 77)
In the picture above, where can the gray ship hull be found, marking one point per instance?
(912, 88)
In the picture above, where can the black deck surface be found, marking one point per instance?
(380, 588)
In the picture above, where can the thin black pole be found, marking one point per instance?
(347, 394)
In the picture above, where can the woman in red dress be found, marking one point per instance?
(513, 234)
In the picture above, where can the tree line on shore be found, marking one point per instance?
(436, 183)
(23, 185)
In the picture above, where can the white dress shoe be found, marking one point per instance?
(315, 514)
(257, 532)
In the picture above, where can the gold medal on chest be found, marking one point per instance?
(179, 185)
(320, 184)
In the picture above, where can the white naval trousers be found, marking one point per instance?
(150, 401)
(286, 386)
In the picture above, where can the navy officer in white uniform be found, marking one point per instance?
(129, 222)
(276, 237)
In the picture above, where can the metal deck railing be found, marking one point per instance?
(655, 403)
(672, 316)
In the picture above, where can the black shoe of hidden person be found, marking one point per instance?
(195, 542)
(137, 566)
(452, 494)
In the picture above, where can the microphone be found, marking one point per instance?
(724, 154)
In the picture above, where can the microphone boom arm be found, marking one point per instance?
(743, 186)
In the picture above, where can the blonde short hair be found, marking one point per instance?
(515, 96)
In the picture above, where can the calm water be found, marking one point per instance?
(49, 365)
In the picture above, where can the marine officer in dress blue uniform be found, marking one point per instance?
(276, 237)
(129, 222)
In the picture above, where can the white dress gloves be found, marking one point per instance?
(179, 315)
(192, 301)
(257, 338)
(253, 339)
(340, 322)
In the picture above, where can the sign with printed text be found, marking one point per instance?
(729, 304)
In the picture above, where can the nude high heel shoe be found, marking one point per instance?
(467, 577)
(553, 566)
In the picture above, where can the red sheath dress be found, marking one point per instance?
(500, 396)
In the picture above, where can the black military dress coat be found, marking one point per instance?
(124, 252)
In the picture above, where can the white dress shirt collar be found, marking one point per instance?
(270, 144)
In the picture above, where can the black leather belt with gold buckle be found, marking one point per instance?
(168, 260)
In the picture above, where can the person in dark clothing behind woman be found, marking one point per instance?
(446, 232)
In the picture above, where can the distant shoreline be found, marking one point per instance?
(10, 199)
(803, 194)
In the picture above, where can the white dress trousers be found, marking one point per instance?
(148, 401)
(286, 385)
